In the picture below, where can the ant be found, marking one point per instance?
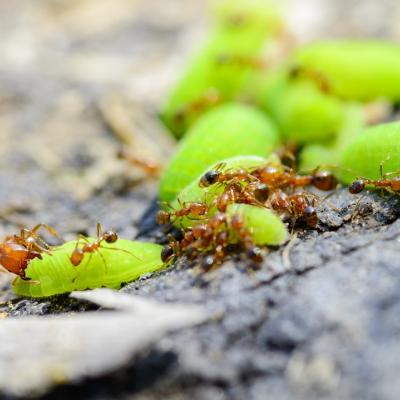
(17, 250)
(151, 168)
(198, 238)
(253, 252)
(297, 205)
(197, 209)
(89, 247)
(218, 176)
(255, 193)
(209, 99)
(256, 63)
(321, 81)
(271, 175)
(392, 184)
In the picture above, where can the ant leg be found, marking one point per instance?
(181, 205)
(324, 200)
(166, 204)
(26, 280)
(123, 250)
(381, 166)
(49, 229)
(386, 174)
(99, 230)
(286, 252)
(219, 166)
(106, 266)
(21, 274)
(355, 211)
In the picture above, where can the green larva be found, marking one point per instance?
(316, 155)
(375, 146)
(358, 70)
(194, 193)
(303, 113)
(265, 226)
(226, 131)
(55, 274)
(241, 31)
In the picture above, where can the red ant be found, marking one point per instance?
(209, 99)
(218, 176)
(17, 250)
(194, 208)
(317, 77)
(89, 247)
(270, 175)
(297, 205)
(256, 63)
(151, 168)
(199, 238)
(253, 252)
(392, 184)
(255, 193)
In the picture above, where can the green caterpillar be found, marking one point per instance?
(194, 193)
(266, 227)
(375, 146)
(357, 70)
(242, 30)
(303, 113)
(110, 266)
(226, 131)
(316, 155)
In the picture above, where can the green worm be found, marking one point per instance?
(358, 70)
(303, 113)
(375, 146)
(194, 193)
(242, 30)
(265, 226)
(316, 155)
(110, 266)
(226, 131)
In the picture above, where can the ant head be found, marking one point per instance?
(261, 192)
(209, 178)
(167, 253)
(208, 262)
(324, 180)
(177, 234)
(110, 236)
(255, 254)
(310, 216)
(357, 186)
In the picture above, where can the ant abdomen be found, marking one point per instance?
(324, 180)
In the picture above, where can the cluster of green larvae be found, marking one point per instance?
(230, 188)
(249, 93)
